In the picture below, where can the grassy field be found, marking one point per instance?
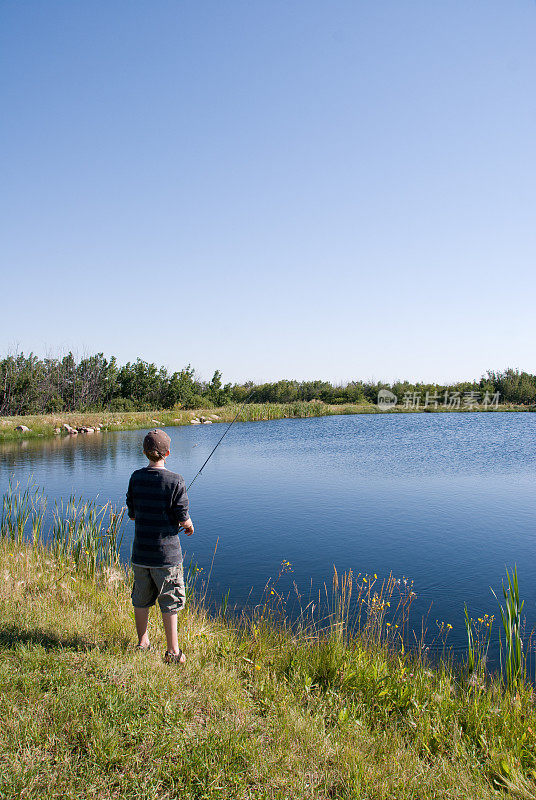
(44, 424)
(260, 710)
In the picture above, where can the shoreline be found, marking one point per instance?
(48, 425)
(259, 703)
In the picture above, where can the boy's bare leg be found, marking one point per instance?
(170, 627)
(141, 615)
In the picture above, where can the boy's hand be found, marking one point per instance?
(187, 526)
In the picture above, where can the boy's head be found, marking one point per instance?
(156, 445)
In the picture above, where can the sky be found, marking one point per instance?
(334, 189)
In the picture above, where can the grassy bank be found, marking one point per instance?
(46, 424)
(262, 709)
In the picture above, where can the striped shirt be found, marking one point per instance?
(157, 502)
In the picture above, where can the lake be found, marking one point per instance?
(446, 500)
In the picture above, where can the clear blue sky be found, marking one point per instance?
(276, 188)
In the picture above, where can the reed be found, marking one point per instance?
(478, 641)
(471, 652)
(512, 654)
(89, 534)
(22, 507)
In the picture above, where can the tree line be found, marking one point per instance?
(31, 385)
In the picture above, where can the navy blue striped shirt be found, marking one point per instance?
(157, 502)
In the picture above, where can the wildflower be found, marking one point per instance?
(272, 592)
(375, 577)
(257, 666)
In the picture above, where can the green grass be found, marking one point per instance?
(326, 708)
(43, 425)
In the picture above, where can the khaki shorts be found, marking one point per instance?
(165, 584)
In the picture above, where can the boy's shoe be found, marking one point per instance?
(139, 648)
(174, 658)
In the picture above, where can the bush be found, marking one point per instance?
(122, 404)
(198, 401)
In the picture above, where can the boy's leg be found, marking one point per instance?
(141, 615)
(170, 627)
(144, 594)
(172, 598)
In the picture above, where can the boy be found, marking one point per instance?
(157, 501)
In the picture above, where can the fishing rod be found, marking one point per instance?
(220, 441)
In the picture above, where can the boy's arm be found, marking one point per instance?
(179, 509)
(130, 501)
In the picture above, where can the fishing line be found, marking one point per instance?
(220, 441)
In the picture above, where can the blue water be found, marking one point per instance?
(446, 500)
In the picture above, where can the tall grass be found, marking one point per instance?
(89, 534)
(22, 506)
(512, 655)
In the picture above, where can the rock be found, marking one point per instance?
(157, 421)
(22, 428)
(215, 416)
(195, 421)
(67, 428)
(97, 429)
(207, 422)
(57, 431)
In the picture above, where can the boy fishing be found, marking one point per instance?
(158, 504)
